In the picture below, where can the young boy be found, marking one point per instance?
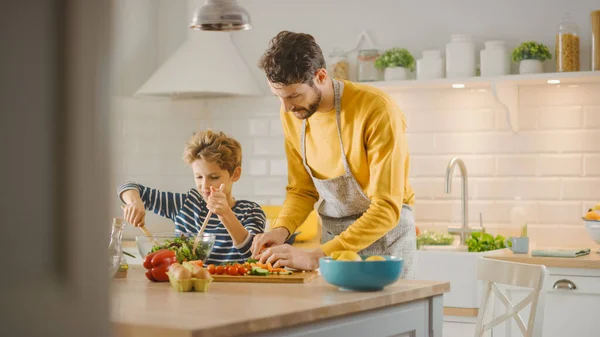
(215, 160)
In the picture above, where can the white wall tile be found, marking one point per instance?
(273, 187)
(257, 167)
(427, 210)
(278, 167)
(559, 212)
(590, 141)
(561, 117)
(592, 165)
(435, 166)
(550, 141)
(495, 189)
(539, 188)
(560, 165)
(266, 146)
(258, 127)
(581, 189)
(517, 165)
(420, 143)
(591, 116)
(475, 143)
(276, 128)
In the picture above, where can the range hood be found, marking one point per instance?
(208, 64)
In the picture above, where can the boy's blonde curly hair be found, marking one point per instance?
(214, 147)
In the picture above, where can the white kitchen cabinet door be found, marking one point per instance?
(567, 312)
(572, 312)
(54, 203)
(458, 329)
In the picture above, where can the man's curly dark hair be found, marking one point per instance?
(292, 58)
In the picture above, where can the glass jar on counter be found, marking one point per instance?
(337, 65)
(366, 65)
(567, 45)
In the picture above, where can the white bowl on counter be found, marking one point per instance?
(593, 229)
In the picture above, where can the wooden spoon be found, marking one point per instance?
(208, 216)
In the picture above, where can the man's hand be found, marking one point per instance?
(289, 256)
(274, 237)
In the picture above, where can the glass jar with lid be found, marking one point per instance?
(366, 65)
(337, 65)
(567, 45)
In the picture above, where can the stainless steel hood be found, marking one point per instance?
(208, 64)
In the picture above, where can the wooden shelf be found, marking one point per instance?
(486, 82)
(504, 88)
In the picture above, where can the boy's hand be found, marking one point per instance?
(217, 202)
(135, 213)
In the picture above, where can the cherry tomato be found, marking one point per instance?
(242, 270)
(232, 270)
(211, 268)
(219, 270)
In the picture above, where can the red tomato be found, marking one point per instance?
(211, 268)
(232, 270)
(219, 270)
(242, 270)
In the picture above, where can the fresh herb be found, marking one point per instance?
(434, 239)
(395, 57)
(183, 245)
(483, 242)
(531, 50)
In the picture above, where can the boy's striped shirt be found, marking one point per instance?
(188, 211)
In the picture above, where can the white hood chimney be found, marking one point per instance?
(208, 64)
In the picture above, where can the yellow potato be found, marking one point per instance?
(345, 255)
(375, 258)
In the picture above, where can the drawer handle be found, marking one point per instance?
(564, 284)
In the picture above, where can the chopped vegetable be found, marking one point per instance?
(183, 246)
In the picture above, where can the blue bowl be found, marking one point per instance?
(361, 275)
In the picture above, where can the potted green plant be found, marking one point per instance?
(395, 62)
(531, 56)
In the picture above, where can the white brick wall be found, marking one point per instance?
(553, 163)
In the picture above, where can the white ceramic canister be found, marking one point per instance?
(460, 57)
(431, 65)
(495, 60)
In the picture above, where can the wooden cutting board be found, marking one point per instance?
(296, 277)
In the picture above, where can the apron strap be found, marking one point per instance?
(338, 109)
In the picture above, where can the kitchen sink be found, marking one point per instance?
(456, 265)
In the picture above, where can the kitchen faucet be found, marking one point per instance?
(464, 230)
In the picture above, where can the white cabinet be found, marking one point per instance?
(571, 307)
(458, 329)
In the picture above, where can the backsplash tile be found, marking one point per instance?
(553, 163)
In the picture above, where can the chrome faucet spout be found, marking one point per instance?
(464, 195)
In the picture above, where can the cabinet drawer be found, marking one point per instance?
(573, 284)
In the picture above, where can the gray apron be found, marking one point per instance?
(344, 201)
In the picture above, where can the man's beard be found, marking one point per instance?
(304, 113)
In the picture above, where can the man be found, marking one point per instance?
(345, 144)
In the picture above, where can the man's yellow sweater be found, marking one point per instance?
(373, 134)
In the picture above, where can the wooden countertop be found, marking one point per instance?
(143, 308)
(591, 261)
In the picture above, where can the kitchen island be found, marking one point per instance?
(143, 308)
